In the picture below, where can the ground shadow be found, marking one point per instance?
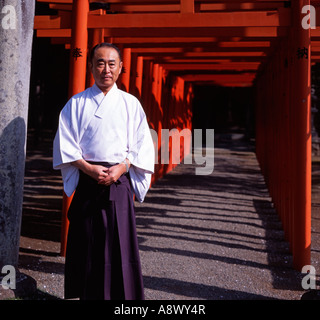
(234, 186)
(200, 291)
(42, 202)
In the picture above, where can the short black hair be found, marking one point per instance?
(104, 44)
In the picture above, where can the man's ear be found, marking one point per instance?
(120, 69)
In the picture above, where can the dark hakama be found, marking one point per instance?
(102, 258)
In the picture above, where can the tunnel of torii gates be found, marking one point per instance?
(170, 45)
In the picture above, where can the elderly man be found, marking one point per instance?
(105, 152)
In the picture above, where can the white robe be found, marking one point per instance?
(104, 128)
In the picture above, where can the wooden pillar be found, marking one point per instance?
(146, 85)
(77, 82)
(154, 91)
(96, 36)
(79, 46)
(159, 111)
(154, 115)
(301, 107)
(159, 93)
(285, 147)
(124, 81)
(138, 77)
(148, 93)
(133, 74)
(292, 143)
(187, 6)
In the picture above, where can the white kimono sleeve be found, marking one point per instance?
(141, 156)
(66, 150)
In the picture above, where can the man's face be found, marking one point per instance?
(106, 67)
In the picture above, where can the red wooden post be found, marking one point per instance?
(146, 85)
(159, 110)
(77, 82)
(96, 36)
(291, 155)
(187, 6)
(154, 91)
(139, 74)
(124, 79)
(79, 44)
(159, 95)
(154, 115)
(286, 139)
(302, 102)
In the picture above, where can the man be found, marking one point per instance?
(105, 152)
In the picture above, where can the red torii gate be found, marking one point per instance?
(230, 43)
